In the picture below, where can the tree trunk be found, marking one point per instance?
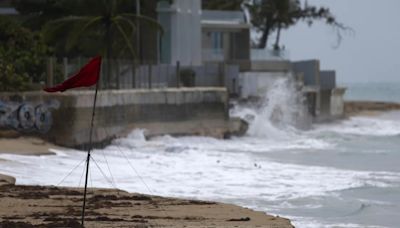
(264, 38)
(278, 37)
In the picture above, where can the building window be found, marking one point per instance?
(217, 43)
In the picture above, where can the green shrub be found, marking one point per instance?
(188, 77)
(22, 54)
(11, 80)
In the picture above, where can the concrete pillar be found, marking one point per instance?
(182, 41)
(337, 102)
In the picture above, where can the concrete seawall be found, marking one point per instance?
(185, 111)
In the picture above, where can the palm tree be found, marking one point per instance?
(105, 26)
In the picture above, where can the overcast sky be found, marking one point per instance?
(372, 53)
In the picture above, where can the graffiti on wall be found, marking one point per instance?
(27, 116)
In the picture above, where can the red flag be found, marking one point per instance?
(87, 76)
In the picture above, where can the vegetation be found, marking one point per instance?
(22, 56)
(270, 16)
(10, 79)
(88, 27)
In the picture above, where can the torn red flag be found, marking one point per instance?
(87, 76)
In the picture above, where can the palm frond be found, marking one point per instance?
(140, 18)
(129, 22)
(77, 32)
(126, 38)
(53, 27)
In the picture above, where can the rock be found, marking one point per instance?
(6, 180)
(237, 127)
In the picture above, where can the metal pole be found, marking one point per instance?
(150, 75)
(50, 72)
(178, 74)
(65, 63)
(88, 155)
(222, 74)
(133, 67)
(117, 73)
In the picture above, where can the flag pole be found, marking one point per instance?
(88, 154)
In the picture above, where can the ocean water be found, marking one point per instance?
(375, 91)
(341, 174)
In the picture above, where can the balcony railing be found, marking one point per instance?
(268, 54)
(213, 55)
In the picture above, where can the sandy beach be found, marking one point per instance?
(24, 206)
(26, 146)
(47, 206)
(368, 108)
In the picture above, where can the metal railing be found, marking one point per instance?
(125, 74)
(269, 54)
(213, 55)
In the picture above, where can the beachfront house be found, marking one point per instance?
(324, 99)
(181, 40)
(225, 36)
(194, 36)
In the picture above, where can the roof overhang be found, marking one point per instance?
(223, 25)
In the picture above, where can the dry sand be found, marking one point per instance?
(38, 206)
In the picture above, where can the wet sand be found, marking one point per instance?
(28, 206)
(368, 108)
(26, 146)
